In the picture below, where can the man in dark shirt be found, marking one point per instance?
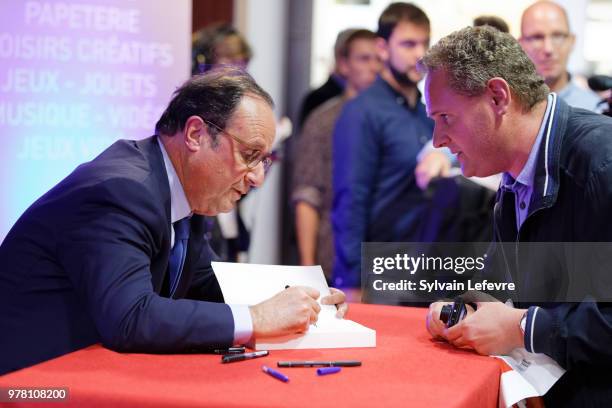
(376, 142)
(334, 86)
(312, 190)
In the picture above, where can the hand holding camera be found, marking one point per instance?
(493, 329)
(443, 315)
(453, 313)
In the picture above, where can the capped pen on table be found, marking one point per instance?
(230, 358)
(336, 363)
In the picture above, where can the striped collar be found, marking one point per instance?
(547, 169)
(547, 132)
(526, 176)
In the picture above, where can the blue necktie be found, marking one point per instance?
(178, 252)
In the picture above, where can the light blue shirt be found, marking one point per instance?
(179, 209)
(522, 187)
(579, 97)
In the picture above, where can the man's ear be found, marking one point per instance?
(499, 94)
(382, 49)
(194, 133)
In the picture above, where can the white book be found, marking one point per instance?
(249, 284)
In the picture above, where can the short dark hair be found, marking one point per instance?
(472, 56)
(205, 46)
(357, 34)
(398, 12)
(340, 43)
(214, 96)
(493, 21)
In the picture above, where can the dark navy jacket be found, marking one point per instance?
(571, 203)
(87, 263)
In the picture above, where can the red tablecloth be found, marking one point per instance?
(405, 369)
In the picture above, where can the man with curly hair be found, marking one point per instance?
(494, 111)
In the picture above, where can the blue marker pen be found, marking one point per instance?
(276, 374)
(328, 370)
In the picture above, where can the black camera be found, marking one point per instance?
(453, 313)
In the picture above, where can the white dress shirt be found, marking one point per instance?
(179, 209)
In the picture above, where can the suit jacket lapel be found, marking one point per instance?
(159, 263)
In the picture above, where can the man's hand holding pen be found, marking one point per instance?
(292, 310)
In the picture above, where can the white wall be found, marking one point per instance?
(263, 22)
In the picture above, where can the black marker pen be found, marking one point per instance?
(230, 358)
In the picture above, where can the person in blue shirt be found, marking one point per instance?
(376, 142)
(547, 39)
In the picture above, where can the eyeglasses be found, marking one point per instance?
(252, 159)
(537, 40)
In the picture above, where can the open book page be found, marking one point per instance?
(250, 284)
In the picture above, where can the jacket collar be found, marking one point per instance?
(547, 172)
(151, 149)
(398, 96)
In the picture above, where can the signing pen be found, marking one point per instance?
(338, 363)
(276, 374)
(230, 358)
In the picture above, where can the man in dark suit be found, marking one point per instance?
(116, 252)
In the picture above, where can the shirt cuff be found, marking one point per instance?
(243, 324)
(537, 330)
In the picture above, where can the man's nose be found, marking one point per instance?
(548, 46)
(420, 50)
(256, 175)
(439, 138)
